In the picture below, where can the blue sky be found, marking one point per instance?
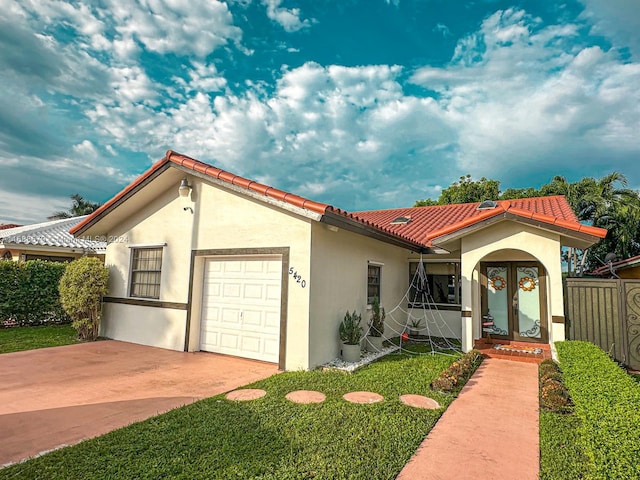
(362, 104)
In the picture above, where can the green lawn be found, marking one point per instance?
(17, 339)
(561, 454)
(269, 438)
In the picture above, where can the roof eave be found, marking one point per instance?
(249, 193)
(52, 248)
(129, 191)
(353, 225)
(571, 238)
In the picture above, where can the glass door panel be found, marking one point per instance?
(496, 320)
(527, 300)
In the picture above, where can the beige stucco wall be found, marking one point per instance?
(215, 219)
(338, 282)
(510, 241)
(157, 327)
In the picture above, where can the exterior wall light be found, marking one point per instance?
(184, 188)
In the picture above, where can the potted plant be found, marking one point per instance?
(350, 332)
(376, 327)
(414, 331)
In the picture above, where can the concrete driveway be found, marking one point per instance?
(58, 396)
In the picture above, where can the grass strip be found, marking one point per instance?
(269, 438)
(17, 339)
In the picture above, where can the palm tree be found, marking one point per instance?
(79, 207)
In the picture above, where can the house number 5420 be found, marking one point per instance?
(298, 278)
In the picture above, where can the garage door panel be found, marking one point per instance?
(272, 294)
(232, 290)
(272, 320)
(251, 318)
(272, 347)
(232, 266)
(251, 344)
(230, 316)
(241, 307)
(253, 291)
(256, 266)
(229, 340)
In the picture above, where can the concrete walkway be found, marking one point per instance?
(58, 396)
(489, 432)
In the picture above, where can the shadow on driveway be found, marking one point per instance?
(58, 396)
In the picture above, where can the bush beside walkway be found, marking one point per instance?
(606, 406)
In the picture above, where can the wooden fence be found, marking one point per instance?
(605, 312)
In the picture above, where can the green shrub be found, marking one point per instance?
(458, 372)
(350, 329)
(557, 376)
(29, 292)
(82, 287)
(607, 401)
(561, 453)
(554, 396)
(548, 366)
(376, 325)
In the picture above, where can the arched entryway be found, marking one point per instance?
(514, 300)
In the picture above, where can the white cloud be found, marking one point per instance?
(442, 29)
(86, 150)
(28, 208)
(183, 27)
(332, 126)
(618, 20)
(287, 18)
(518, 97)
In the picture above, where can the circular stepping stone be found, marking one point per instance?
(245, 394)
(363, 397)
(418, 401)
(305, 396)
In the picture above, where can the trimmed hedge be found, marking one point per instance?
(554, 396)
(29, 292)
(607, 401)
(458, 372)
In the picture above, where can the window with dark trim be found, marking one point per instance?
(146, 266)
(441, 285)
(373, 283)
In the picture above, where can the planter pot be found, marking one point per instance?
(374, 344)
(414, 333)
(351, 353)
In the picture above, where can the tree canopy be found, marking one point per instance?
(79, 207)
(606, 202)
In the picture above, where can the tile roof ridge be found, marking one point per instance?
(246, 183)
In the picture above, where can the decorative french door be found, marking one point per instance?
(514, 301)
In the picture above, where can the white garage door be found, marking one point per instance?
(241, 307)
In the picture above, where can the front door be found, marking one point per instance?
(514, 301)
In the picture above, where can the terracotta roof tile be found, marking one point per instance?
(4, 226)
(426, 223)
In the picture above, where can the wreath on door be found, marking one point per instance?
(498, 283)
(527, 284)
